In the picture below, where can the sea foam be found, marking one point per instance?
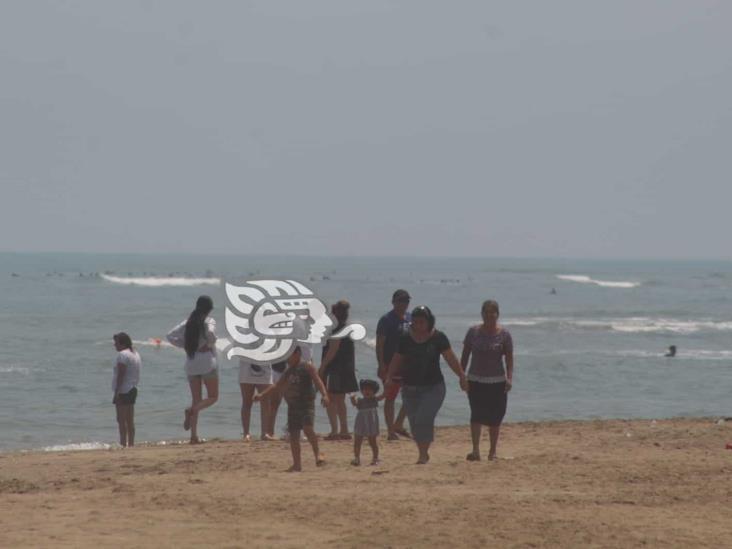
(158, 281)
(584, 279)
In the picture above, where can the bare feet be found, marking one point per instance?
(187, 420)
(473, 456)
(320, 461)
(356, 462)
(268, 438)
(392, 436)
(345, 436)
(294, 469)
(195, 440)
(247, 438)
(423, 460)
(492, 457)
(375, 462)
(332, 436)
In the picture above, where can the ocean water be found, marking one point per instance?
(592, 350)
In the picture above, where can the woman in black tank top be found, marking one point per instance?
(338, 371)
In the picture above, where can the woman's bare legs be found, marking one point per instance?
(493, 431)
(424, 455)
(247, 400)
(130, 424)
(332, 412)
(194, 383)
(475, 431)
(122, 424)
(199, 403)
(340, 402)
(275, 398)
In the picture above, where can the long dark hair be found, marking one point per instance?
(124, 340)
(195, 324)
(340, 311)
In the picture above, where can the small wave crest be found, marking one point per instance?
(627, 325)
(76, 446)
(160, 281)
(14, 370)
(584, 279)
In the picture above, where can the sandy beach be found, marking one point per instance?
(558, 484)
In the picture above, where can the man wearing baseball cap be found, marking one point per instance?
(390, 328)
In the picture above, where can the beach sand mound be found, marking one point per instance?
(559, 484)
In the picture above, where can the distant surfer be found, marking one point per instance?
(671, 351)
(554, 291)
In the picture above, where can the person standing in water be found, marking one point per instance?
(299, 382)
(338, 371)
(391, 327)
(485, 347)
(423, 391)
(197, 336)
(125, 378)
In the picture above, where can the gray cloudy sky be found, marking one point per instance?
(584, 129)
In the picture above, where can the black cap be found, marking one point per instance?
(400, 295)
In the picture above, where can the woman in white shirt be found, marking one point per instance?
(197, 336)
(125, 377)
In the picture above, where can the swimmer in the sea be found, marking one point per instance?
(671, 351)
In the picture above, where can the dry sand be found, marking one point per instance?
(560, 484)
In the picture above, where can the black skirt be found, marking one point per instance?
(341, 380)
(487, 402)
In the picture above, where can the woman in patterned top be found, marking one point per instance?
(485, 347)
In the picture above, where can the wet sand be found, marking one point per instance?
(558, 484)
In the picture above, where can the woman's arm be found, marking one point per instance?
(394, 366)
(333, 345)
(318, 383)
(509, 370)
(275, 387)
(467, 349)
(121, 369)
(455, 366)
(381, 368)
(176, 336)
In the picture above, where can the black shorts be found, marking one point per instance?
(487, 402)
(300, 413)
(127, 398)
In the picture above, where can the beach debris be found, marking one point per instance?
(721, 422)
(628, 434)
(654, 423)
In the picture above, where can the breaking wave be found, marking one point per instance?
(159, 281)
(584, 279)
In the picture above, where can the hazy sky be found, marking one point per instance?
(582, 129)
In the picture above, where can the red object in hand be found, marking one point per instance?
(728, 446)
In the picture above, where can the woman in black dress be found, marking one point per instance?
(338, 371)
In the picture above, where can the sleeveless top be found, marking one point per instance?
(345, 358)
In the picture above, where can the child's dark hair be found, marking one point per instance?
(369, 384)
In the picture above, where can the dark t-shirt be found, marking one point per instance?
(392, 328)
(300, 386)
(421, 364)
